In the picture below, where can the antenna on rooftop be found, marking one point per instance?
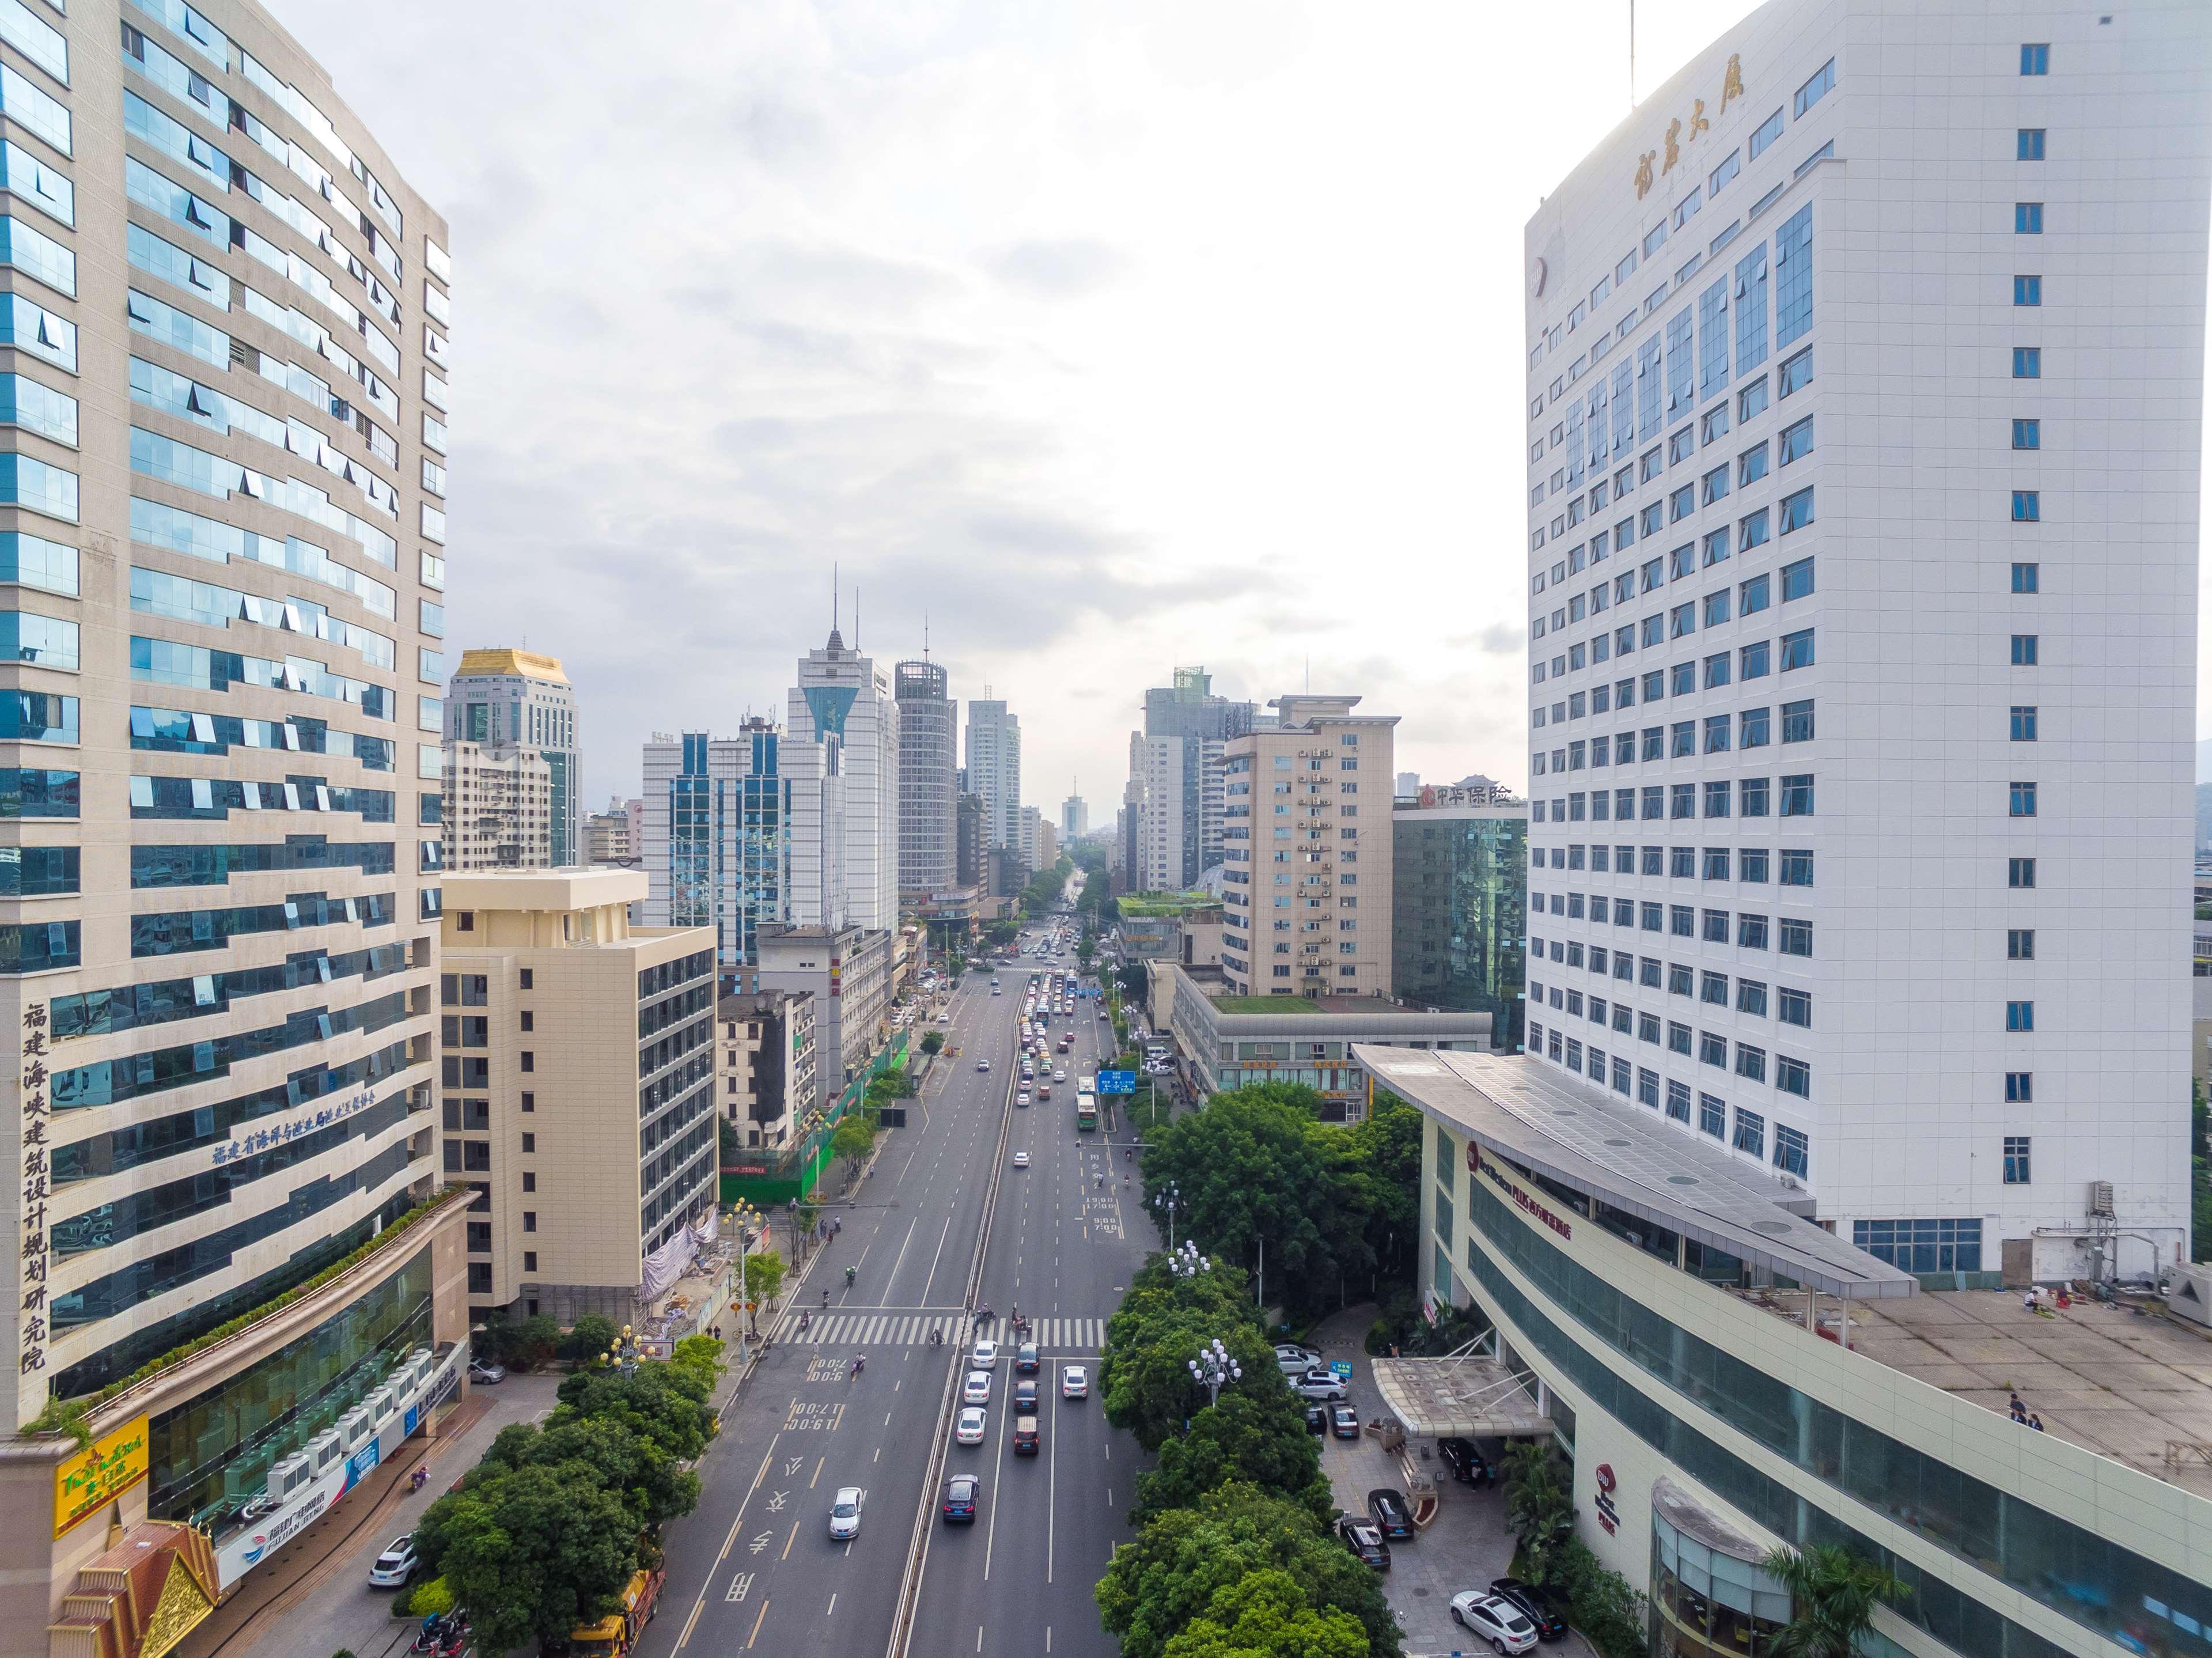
(1632, 54)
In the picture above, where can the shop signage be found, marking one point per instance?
(1731, 89)
(109, 1468)
(1528, 1206)
(262, 1139)
(1608, 1512)
(1482, 794)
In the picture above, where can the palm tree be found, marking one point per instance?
(1832, 1595)
(1538, 1510)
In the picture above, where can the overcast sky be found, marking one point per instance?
(1108, 336)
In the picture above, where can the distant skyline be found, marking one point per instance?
(1107, 338)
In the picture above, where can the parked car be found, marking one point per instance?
(1292, 1359)
(961, 1494)
(1468, 1466)
(1322, 1385)
(486, 1376)
(1363, 1539)
(1317, 1419)
(395, 1565)
(1391, 1515)
(845, 1515)
(1344, 1422)
(1542, 1610)
(1499, 1622)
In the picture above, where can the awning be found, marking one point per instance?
(1463, 1396)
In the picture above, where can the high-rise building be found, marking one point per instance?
(1409, 784)
(929, 750)
(844, 695)
(498, 806)
(994, 768)
(1155, 772)
(1872, 798)
(610, 837)
(515, 711)
(569, 1039)
(1199, 721)
(1074, 819)
(764, 1079)
(1307, 899)
(223, 551)
(715, 816)
(972, 868)
(1459, 921)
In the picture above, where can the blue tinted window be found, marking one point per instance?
(1793, 294)
(2027, 218)
(2028, 362)
(1816, 89)
(1768, 131)
(2030, 145)
(2035, 59)
(35, 946)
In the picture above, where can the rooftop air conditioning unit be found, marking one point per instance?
(354, 1427)
(324, 1449)
(2188, 1294)
(2100, 1196)
(287, 1477)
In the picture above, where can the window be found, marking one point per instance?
(1751, 728)
(1794, 937)
(2020, 943)
(2035, 59)
(1793, 1077)
(2027, 434)
(2020, 872)
(1922, 1246)
(1715, 486)
(1768, 131)
(2023, 799)
(2028, 362)
(1797, 795)
(1797, 867)
(1796, 440)
(2027, 290)
(1750, 1127)
(1712, 1116)
(2029, 145)
(2015, 1159)
(1751, 794)
(1796, 511)
(1750, 931)
(2019, 1016)
(2027, 507)
(1825, 77)
(2019, 1087)
(1796, 580)
(1751, 865)
(2023, 722)
(2027, 218)
(1797, 722)
(1797, 651)
(1753, 400)
(2027, 578)
(1797, 373)
(1794, 1007)
(1751, 465)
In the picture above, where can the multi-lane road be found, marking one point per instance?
(753, 1569)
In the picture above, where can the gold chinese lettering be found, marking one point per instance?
(1732, 88)
(1644, 174)
(1674, 150)
(1698, 122)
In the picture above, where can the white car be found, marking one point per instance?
(395, 1565)
(1294, 1359)
(986, 1355)
(1495, 1620)
(1319, 1385)
(1074, 1382)
(845, 1514)
(1021, 1159)
(1058, 1075)
(1022, 1098)
(977, 1388)
(969, 1431)
(982, 1064)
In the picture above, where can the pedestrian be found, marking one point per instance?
(2035, 1422)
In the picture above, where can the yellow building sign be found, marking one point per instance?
(1731, 89)
(99, 1475)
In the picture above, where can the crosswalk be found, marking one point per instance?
(905, 1329)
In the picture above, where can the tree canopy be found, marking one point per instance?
(1265, 1614)
(1256, 1435)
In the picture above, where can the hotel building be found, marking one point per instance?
(513, 714)
(221, 524)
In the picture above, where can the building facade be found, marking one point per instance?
(222, 538)
(499, 805)
(1190, 714)
(576, 1086)
(972, 843)
(928, 791)
(1831, 744)
(842, 698)
(713, 827)
(1074, 819)
(1459, 903)
(502, 702)
(764, 1080)
(611, 836)
(994, 768)
(847, 971)
(1308, 871)
(1156, 806)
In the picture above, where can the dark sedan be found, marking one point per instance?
(1316, 1419)
(960, 1498)
(1466, 1463)
(1363, 1539)
(1392, 1518)
(1535, 1605)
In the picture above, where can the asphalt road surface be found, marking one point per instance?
(754, 1569)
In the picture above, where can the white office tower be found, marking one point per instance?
(1156, 771)
(1864, 397)
(818, 887)
(995, 768)
(844, 694)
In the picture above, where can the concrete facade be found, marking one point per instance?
(843, 703)
(928, 789)
(516, 711)
(764, 1059)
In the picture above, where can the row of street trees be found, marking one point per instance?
(1233, 1557)
(543, 1533)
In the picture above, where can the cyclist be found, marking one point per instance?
(859, 1362)
(848, 1277)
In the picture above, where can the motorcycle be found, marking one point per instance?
(419, 1478)
(426, 1638)
(848, 1277)
(452, 1638)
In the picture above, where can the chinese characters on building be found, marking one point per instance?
(36, 1113)
(1731, 89)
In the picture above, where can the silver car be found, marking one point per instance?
(845, 1514)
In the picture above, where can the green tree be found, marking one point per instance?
(1156, 1586)
(532, 1552)
(1265, 1614)
(1539, 1508)
(764, 1270)
(703, 1355)
(666, 1404)
(523, 1343)
(1388, 1148)
(1833, 1595)
(2200, 1148)
(653, 1485)
(852, 1140)
(1601, 1604)
(728, 1146)
(589, 1337)
(933, 1042)
(1145, 1382)
(1254, 1435)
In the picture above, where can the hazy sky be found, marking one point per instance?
(1108, 336)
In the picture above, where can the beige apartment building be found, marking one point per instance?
(764, 1064)
(577, 1087)
(1307, 852)
(499, 806)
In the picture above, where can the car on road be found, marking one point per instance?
(970, 1429)
(962, 1494)
(1317, 1419)
(1322, 1385)
(486, 1376)
(1044, 1092)
(1026, 1359)
(982, 1064)
(1360, 1536)
(1533, 1604)
(1497, 1621)
(1022, 1098)
(1344, 1422)
(1467, 1465)
(1074, 1382)
(1058, 1075)
(986, 1355)
(393, 1567)
(977, 1388)
(1392, 1518)
(1025, 1396)
(1293, 1360)
(1021, 1159)
(845, 1515)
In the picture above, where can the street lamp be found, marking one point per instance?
(1186, 1262)
(1169, 1199)
(624, 1353)
(1213, 1368)
(744, 1216)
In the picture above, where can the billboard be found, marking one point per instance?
(102, 1471)
(1117, 1082)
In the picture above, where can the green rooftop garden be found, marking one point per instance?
(1164, 903)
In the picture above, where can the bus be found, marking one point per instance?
(616, 1635)
(1087, 1103)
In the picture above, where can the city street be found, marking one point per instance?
(754, 1567)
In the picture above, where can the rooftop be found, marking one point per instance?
(1631, 1161)
(571, 887)
(527, 665)
(1368, 1005)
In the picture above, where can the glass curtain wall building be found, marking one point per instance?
(503, 704)
(928, 792)
(1459, 897)
(714, 819)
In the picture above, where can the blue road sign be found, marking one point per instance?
(1117, 1082)
(1340, 1369)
